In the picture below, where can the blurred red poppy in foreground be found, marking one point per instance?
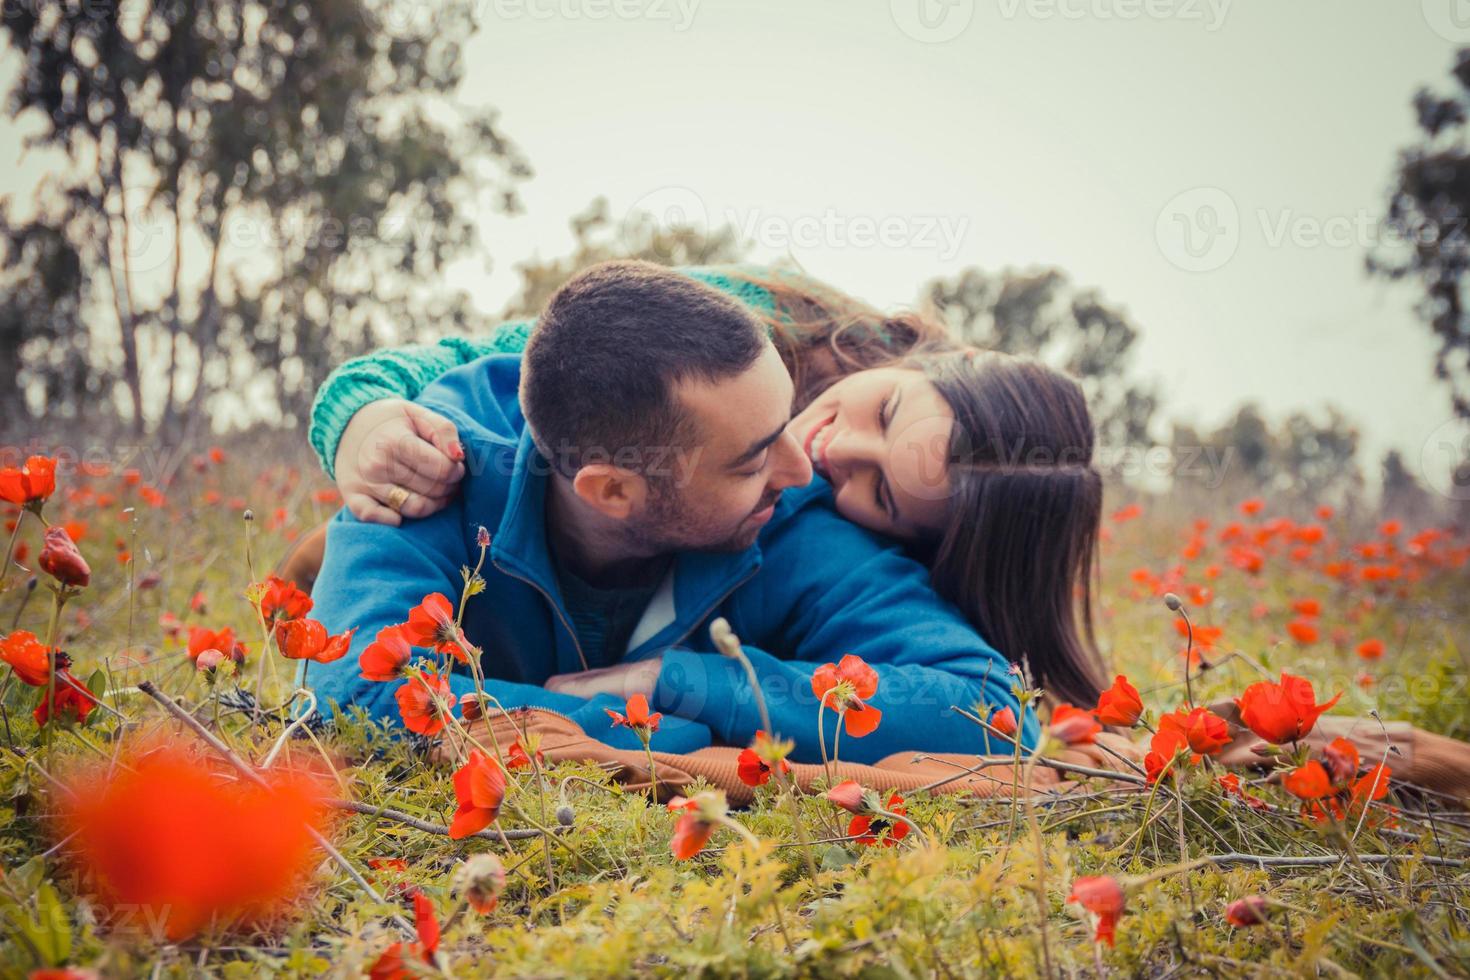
(1073, 725)
(391, 965)
(178, 844)
(1103, 897)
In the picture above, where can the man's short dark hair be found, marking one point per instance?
(601, 365)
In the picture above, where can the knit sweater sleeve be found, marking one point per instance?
(400, 372)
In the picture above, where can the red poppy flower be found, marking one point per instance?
(307, 639)
(1200, 728)
(30, 483)
(431, 624)
(846, 687)
(1372, 785)
(27, 656)
(1153, 765)
(70, 701)
(1283, 712)
(1104, 898)
(518, 758)
(425, 702)
(281, 600)
(866, 828)
(390, 965)
(1004, 721)
(479, 786)
(849, 795)
(1370, 649)
(752, 767)
(1307, 607)
(1074, 725)
(1248, 911)
(149, 835)
(386, 658)
(201, 639)
(1302, 631)
(1308, 782)
(637, 717)
(693, 829)
(1120, 704)
(62, 561)
(1341, 759)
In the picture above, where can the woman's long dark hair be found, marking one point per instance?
(1018, 553)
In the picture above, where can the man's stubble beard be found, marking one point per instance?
(670, 525)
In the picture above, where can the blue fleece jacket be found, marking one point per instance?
(813, 588)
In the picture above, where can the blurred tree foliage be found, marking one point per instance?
(1306, 460)
(1427, 238)
(249, 191)
(1040, 313)
(599, 238)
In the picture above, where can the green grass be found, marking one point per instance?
(613, 901)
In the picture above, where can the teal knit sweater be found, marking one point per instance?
(402, 372)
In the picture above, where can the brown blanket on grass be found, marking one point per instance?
(562, 740)
(1422, 759)
(1432, 762)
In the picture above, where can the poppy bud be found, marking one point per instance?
(1248, 911)
(61, 559)
(480, 880)
(565, 815)
(1173, 601)
(209, 660)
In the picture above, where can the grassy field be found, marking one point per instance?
(1377, 613)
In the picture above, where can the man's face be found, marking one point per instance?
(743, 457)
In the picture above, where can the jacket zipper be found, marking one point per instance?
(576, 644)
(715, 605)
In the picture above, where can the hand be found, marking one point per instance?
(622, 681)
(395, 443)
(1096, 755)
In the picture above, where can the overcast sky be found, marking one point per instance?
(880, 143)
(1215, 167)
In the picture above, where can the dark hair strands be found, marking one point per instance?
(1019, 552)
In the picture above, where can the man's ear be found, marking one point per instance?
(610, 490)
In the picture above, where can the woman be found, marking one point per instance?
(1011, 541)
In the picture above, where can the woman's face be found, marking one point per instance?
(881, 438)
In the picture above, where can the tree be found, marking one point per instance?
(600, 239)
(1426, 224)
(1300, 459)
(252, 191)
(1041, 314)
(1403, 495)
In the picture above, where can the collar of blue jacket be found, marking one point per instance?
(813, 588)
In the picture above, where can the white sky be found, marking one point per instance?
(1052, 134)
(1010, 133)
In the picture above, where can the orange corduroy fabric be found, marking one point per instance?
(562, 740)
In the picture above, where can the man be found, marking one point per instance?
(637, 479)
